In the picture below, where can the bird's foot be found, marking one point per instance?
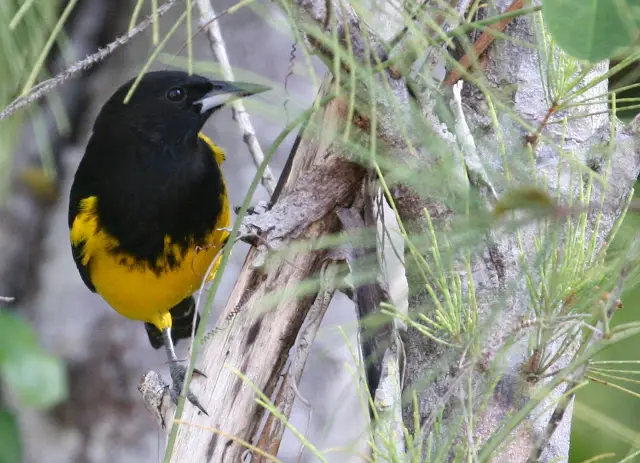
(178, 373)
(253, 229)
(260, 208)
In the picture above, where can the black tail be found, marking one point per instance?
(182, 323)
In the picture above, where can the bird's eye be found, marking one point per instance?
(176, 94)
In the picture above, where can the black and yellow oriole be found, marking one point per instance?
(148, 210)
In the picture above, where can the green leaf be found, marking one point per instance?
(592, 30)
(16, 336)
(35, 376)
(38, 378)
(9, 439)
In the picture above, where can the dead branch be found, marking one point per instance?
(375, 333)
(382, 350)
(157, 398)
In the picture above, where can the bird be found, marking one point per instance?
(148, 207)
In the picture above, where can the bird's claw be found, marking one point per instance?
(259, 208)
(199, 373)
(252, 239)
(178, 373)
(190, 396)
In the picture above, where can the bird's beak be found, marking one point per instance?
(225, 92)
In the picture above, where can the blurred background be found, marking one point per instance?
(78, 400)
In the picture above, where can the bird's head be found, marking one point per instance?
(169, 106)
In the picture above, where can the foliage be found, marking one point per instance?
(26, 367)
(593, 30)
(32, 375)
(602, 407)
(9, 438)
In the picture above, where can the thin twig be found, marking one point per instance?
(41, 89)
(207, 16)
(309, 331)
(196, 311)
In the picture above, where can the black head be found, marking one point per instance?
(168, 106)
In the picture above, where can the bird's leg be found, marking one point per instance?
(178, 372)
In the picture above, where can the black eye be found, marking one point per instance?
(176, 94)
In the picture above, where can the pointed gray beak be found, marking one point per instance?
(226, 92)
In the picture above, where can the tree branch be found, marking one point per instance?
(208, 19)
(382, 350)
(480, 45)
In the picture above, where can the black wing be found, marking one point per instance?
(79, 192)
(82, 269)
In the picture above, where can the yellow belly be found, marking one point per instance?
(141, 294)
(137, 291)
